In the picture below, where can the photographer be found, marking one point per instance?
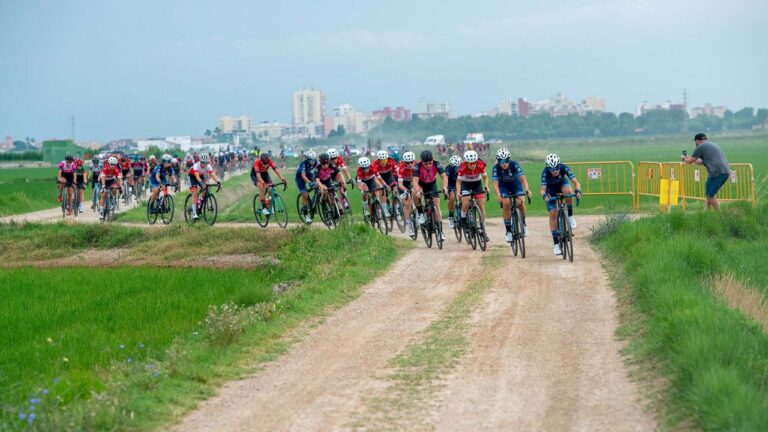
(712, 157)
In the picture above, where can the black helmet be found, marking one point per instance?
(265, 157)
(69, 157)
(324, 158)
(426, 156)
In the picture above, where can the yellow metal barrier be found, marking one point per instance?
(605, 178)
(648, 181)
(739, 187)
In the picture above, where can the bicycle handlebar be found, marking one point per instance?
(561, 196)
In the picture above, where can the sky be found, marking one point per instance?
(130, 69)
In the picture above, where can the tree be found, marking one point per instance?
(208, 133)
(762, 116)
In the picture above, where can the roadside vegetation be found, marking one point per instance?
(24, 190)
(693, 287)
(135, 347)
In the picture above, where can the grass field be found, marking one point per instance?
(713, 357)
(28, 189)
(80, 330)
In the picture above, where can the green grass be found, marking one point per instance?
(88, 313)
(714, 358)
(28, 189)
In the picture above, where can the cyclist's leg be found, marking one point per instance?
(439, 214)
(566, 189)
(451, 202)
(552, 209)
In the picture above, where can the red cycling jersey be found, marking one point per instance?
(339, 162)
(260, 166)
(111, 172)
(388, 167)
(365, 175)
(404, 172)
(125, 166)
(468, 174)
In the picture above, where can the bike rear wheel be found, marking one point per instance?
(375, 218)
(167, 209)
(188, 203)
(397, 213)
(261, 218)
(210, 209)
(152, 215)
(519, 236)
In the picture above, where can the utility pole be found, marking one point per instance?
(72, 124)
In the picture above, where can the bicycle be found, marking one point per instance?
(165, 208)
(375, 213)
(206, 204)
(76, 199)
(395, 204)
(414, 217)
(138, 188)
(127, 192)
(331, 207)
(95, 192)
(564, 225)
(276, 207)
(431, 225)
(474, 229)
(314, 199)
(110, 205)
(65, 204)
(518, 236)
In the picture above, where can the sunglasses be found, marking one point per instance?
(503, 161)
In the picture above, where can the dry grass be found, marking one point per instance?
(739, 296)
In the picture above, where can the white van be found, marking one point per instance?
(474, 138)
(435, 140)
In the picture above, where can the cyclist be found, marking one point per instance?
(305, 176)
(111, 178)
(387, 169)
(338, 161)
(326, 173)
(556, 178)
(405, 184)
(152, 163)
(81, 179)
(425, 181)
(138, 170)
(396, 156)
(125, 170)
(470, 182)
(159, 177)
(509, 181)
(197, 178)
(176, 166)
(368, 178)
(66, 177)
(260, 178)
(452, 172)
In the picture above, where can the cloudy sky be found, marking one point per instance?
(155, 68)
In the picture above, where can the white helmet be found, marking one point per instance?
(204, 158)
(167, 158)
(409, 156)
(470, 156)
(455, 160)
(174, 161)
(382, 155)
(112, 160)
(502, 153)
(364, 162)
(310, 155)
(332, 153)
(552, 160)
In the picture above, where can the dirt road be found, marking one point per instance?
(537, 351)
(54, 214)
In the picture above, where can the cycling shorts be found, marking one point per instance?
(80, 180)
(474, 189)
(125, 173)
(370, 183)
(514, 188)
(264, 176)
(108, 183)
(429, 188)
(389, 179)
(552, 191)
(193, 181)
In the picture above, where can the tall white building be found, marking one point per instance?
(428, 109)
(229, 124)
(309, 111)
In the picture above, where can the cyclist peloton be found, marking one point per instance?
(405, 184)
(305, 176)
(470, 182)
(452, 172)
(111, 177)
(66, 177)
(425, 181)
(260, 178)
(197, 178)
(556, 178)
(509, 181)
(368, 178)
(159, 177)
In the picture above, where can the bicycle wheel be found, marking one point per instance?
(167, 209)
(188, 210)
(302, 215)
(561, 221)
(457, 230)
(397, 213)
(437, 229)
(375, 218)
(111, 210)
(519, 235)
(64, 202)
(210, 209)
(514, 243)
(76, 202)
(471, 232)
(568, 240)
(152, 215)
(386, 219)
(426, 231)
(480, 231)
(325, 213)
(280, 211)
(261, 218)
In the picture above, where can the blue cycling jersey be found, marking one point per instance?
(452, 172)
(549, 180)
(508, 175)
(163, 171)
(307, 168)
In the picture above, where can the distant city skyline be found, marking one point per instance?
(142, 68)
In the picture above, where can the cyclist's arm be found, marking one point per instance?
(543, 191)
(524, 182)
(279, 174)
(485, 180)
(444, 182)
(305, 178)
(61, 174)
(215, 177)
(496, 188)
(576, 185)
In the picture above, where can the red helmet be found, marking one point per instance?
(78, 161)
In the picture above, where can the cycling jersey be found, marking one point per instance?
(306, 167)
(198, 168)
(467, 174)
(508, 179)
(163, 172)
(452, 172)
(428, 174)
(387, 167)
(264, 166)
(67, 169)
(326, 174)
(138, 168)
(124, 166)
(80, 175)
(405, 173)
(339, 162)
(111, 172)
(564, 177)
(367, 174)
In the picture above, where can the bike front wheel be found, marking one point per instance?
(210, 209)
(281, 212)
(480, 231)
(167, 209)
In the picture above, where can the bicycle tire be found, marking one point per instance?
(520, 233)
(376, 220)
(261, 219)
(438, 229)
(457, 230)
(325, 213)
(210, 209)
(398, 214)
(514, 243)
(425, 232)
(151, 216)
(167, 209)
(76, 202)
(388, 223)
(64, 201)
(480, 230)
(280, 211)
(299, 205)
(471, 232)
(569, 239)
(188, 210)
(561, 230)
